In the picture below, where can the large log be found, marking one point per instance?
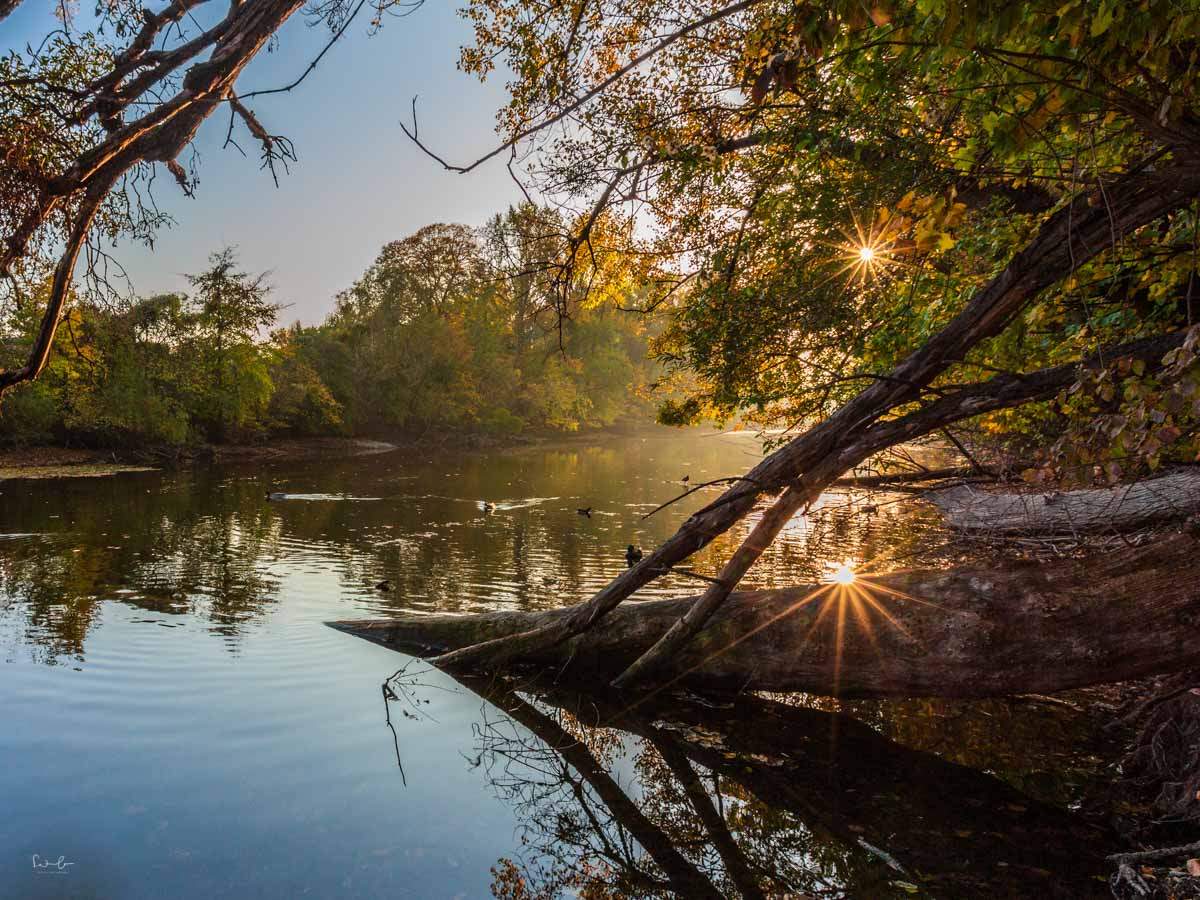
(1175, 495)
(971, 631)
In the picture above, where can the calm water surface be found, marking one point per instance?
(178, 722)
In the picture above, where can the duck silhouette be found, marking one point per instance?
(276, 495)
(633, 555)
(488, 506)
(686, 479)
(384, 585)
(584, 511)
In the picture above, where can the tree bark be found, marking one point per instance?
(974, 631)
(39, 352)
(1175, 495)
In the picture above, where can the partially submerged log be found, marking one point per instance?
(1125, 507)
(972, 631)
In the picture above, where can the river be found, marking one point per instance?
(179, 722)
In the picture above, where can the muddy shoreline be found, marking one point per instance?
(41, 462)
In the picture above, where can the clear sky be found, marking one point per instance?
(359, 182)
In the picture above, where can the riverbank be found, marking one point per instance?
(51, 461)
(40, 462)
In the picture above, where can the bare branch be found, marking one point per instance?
(594, 91)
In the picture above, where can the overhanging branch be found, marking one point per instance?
(1076, 233)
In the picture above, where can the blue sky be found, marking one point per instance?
(358, 183)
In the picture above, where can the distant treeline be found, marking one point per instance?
(452, 328)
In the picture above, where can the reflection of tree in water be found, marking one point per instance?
(583, 831)
(1043, 748)
(211, 567)
(754, 798)
(202, 541)
(164, 555)
(52, 592)
(574, 840)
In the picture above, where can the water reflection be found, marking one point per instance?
(678, 796)
(455, 532)
(160, 552)
(219, 740)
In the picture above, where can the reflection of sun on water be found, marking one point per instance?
(845, 592)
(840, 573)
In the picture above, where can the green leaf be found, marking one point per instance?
(1102, 20)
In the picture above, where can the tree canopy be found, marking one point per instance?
(807, 191)
(816, 189)
(448, 331)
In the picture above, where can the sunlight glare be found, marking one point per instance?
(843, 573)
(870, 248)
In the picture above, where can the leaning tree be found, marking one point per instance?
(89, 115)
(870, 221)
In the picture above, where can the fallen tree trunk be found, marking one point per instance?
(811, 461)
(1125, 507)
(701, 527)
(973, 631)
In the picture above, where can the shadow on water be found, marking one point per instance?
(622, 795)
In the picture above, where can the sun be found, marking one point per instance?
(841, 573)
(870, 249)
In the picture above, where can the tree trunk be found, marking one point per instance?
(1074, 234)
(973, 631)
(1125, 507)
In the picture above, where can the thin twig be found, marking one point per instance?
(689, 491)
